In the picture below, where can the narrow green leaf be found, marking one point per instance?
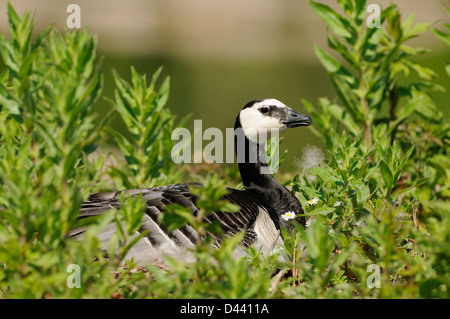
(324, 210)
(125, 146)
(444, 37)
(425, 106)
(348, 98)
(336, 44)
(163, 93)
(319, 245)
(176, 216)
(330, 63)
(407, 23)
(422, 71)
(337, 23)
(123, 97)
(155, 78)
(12, 105)
(41, 37)
(4, 77)
(386, 173)
(420, 27)
(345, 118)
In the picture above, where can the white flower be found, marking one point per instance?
(337, 204)
(313, 201)
(288, 215)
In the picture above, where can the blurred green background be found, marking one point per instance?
(222, 54)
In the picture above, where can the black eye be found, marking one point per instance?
(264, 109)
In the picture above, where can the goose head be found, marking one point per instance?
(259, 118)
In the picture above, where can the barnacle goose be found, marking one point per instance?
(262, 202)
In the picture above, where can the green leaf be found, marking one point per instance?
(408, 22)
(424, 105)
(13, 17)
(123, 97)
(323, 210)
(422, 71)
(444, 37)
(430, 288)
(420, 27)
(348, 97)
(336, 44)
(345, 118)
(11, 104)
(176, 216)
(319, 245)
(439, 206)
(386, 173)
(131, 243)
(4, 77)
(41, 37)
(27, 65)
(155, 77)
(163, 93)
(330, 63)
(337, 23)
(393, 25)
(133, 213)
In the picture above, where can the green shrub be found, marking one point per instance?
(388, 174)
(379, 200)
(47, 133)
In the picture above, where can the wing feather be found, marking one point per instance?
(159, 239)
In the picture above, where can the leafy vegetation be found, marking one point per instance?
(382, 170)
(379, 200)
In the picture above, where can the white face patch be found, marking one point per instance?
(269, 102)
(256, 125)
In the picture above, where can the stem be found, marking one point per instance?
(23, 242)
(365, 107)
(141, 166)
(415, 213)
(141, 153)
(367, 134)
(294, 269)
(392, 104)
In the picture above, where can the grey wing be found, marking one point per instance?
(158, 240)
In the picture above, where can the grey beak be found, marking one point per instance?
(295, 119)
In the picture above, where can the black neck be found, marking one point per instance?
(257, 178)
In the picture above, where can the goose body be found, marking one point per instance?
(261, 204)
